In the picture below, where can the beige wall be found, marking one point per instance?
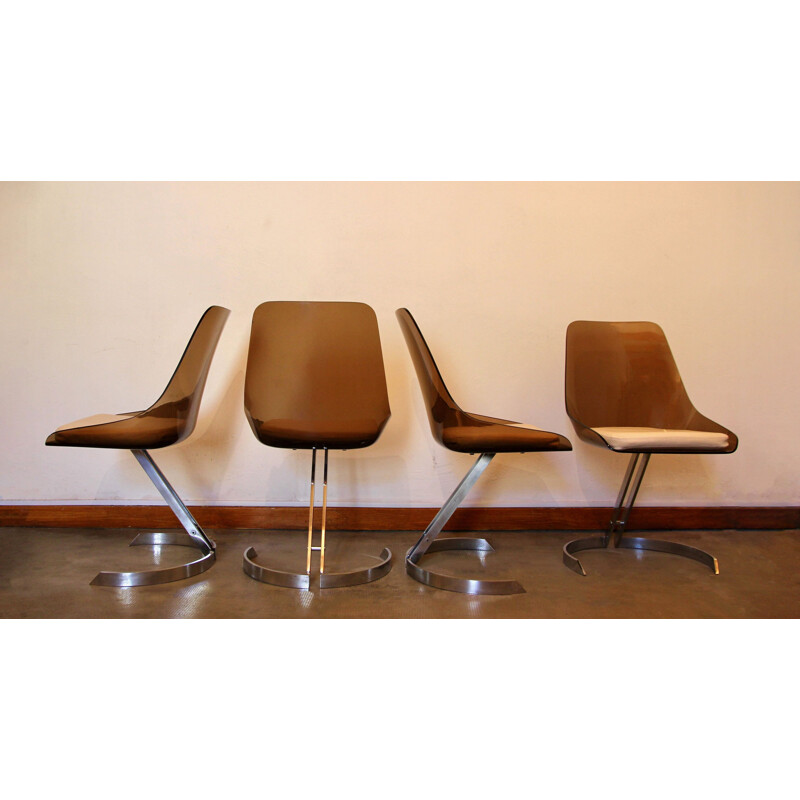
(102, 283)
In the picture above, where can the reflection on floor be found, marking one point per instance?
(45, 573)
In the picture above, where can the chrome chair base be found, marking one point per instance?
(635, 543)
(162, 574)
(575, 546)
(335, 580)
(428, 543)
(195, 536)
(450, 583)
(276, 577)
(327, 580)
(619, 519)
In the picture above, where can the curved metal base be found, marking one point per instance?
(163, 574)
(335, 580)
(276, 577)
(464, 585)
(327, 580)
(635, 543)
(575, 546)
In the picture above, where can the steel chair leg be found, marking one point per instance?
(619, 520)
(311, 510)
(337, 580)
(195, 536)
(623, 510)
(324, 513)
(428, 543)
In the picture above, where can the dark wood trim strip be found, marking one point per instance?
(405, 519)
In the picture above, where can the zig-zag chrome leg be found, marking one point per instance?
(428, 543)
(195, 537)
(619, 519)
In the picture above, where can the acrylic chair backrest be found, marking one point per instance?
(624, 374)
(316, 364)
(442, 410)
(181, 399)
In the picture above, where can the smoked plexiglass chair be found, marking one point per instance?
(464, 433)
(315, 380)
(623, 392)
(168, 421)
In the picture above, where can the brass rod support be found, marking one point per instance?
(311, 509)
(324, 512)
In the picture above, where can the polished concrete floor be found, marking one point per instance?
(45, 573)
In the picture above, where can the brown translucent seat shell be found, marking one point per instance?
(623, 374)
(459, 430)
(172, 417)
(315, 375)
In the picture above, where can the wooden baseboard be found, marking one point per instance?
(405, 519)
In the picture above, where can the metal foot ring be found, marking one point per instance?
(575, 546)
(463, 585)
(335, 580)
(327, 580)
(151, 577)
(636, 543)
(639, 543)
(276, 577)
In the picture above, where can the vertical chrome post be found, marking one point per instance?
(171, 498)
(324, 512)
(626, 482)
(451, 504)
(311, 508)
(637, 482)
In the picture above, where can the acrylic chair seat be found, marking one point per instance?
(624, 393)
(474, 435)
(137, 430)
(171, 419)
(463, 432)
(335, 434)
(315, 380)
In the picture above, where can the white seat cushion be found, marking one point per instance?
(662, 439)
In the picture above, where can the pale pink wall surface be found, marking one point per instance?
(102, 283)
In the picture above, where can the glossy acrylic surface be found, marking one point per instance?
(315, 375)
(623, 374)
(172, 417)
(456, 429)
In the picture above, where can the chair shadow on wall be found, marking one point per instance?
(218, 440)
(213, 440)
